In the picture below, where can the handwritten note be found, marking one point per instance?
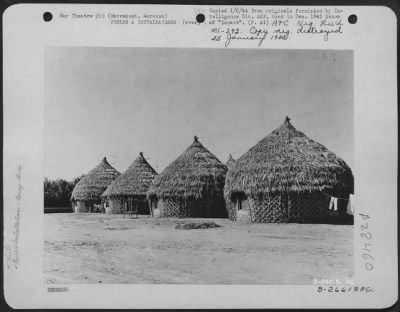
(11, 248)
(254, 34)
(228, 25)
(366, 244)
(345, 289)
(273, 24)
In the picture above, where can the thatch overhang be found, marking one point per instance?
(288, 161)
(134, 182)
(194, 174)
(93, 184)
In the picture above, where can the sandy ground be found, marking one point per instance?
(96, 248)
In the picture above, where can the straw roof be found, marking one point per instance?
(288, 160)
(92, 185)
(194, 174)
(230, 161)
(135, 181)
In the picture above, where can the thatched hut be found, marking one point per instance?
(230, 161)
(87, 192)
(128, 192)
(191, 186)
(287, 177)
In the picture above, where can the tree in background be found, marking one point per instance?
(57, 193)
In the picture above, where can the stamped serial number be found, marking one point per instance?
(344, 289)
(57, 289)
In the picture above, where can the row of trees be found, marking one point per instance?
(57, 193)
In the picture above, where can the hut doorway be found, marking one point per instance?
(241, 209)
(129, 206)
(153, 207)
(143, 207)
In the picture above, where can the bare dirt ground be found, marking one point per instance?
(97, 248)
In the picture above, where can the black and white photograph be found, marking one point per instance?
(198, 166)
(197, 157)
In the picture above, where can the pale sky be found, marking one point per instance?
(117, 102)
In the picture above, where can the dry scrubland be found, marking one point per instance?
(96, 248)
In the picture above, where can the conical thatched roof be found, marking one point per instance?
(92, 185)
(230, 161)
(288, 160)
(135, 181)
(194, 174)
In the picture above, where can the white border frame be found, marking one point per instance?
(373, 40)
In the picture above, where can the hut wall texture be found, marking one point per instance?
(193, 208)
(230, 207)
(118, 205)
(287, 208)
(293, 207)
(81, 207)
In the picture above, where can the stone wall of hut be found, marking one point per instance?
(192, 208)
(287, 208)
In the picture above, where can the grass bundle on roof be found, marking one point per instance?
(192, 185)
(194, 174)
(287, 162)
(93, 184)
(135, 181)
(128, 192)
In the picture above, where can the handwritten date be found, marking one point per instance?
(253, 34)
